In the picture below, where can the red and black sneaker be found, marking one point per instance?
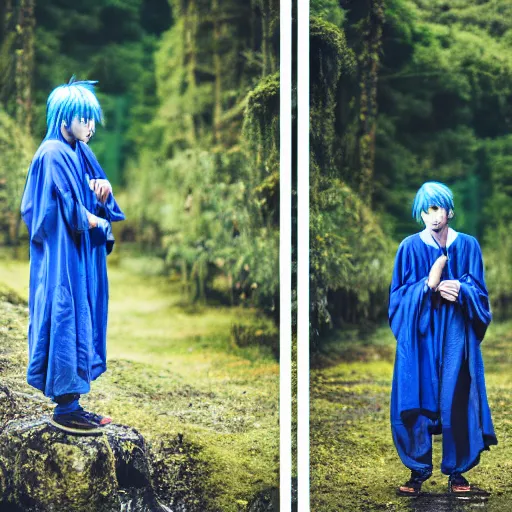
(101, 421)
(457, 484)
(413, 486)
(77, 422)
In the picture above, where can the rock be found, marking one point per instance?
(45, 469)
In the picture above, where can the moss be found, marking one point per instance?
(72, 473)
(261, 118)
(264, 96)
(331, 63)
(328, 42)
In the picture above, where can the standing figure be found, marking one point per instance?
(439, 312)
(68, 207)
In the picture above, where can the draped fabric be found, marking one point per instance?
(68, 292)
(438, 381)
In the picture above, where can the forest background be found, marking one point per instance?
(190, 97)
(403, 92)
(190, 94)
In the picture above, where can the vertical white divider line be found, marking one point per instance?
(285, 255)
(303, 308)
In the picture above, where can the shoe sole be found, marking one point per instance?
(414, 494)
(77, 431)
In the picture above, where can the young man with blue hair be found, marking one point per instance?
(68, 207)
(439, 312)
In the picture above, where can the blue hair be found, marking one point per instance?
(432, 193)
(67, 101)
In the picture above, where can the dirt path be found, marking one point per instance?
(354, 465)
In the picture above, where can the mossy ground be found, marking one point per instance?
(354, 465)
(173, 372)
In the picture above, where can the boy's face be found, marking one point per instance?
(81, 129)
(435, 219)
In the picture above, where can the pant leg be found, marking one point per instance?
(457, 454)
(67, 403)
(413, 442)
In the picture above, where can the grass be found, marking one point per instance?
(174, 373)
(354, 465)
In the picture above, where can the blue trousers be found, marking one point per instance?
(413, 441)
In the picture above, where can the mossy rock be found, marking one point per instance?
(330, 55)
(44, 469)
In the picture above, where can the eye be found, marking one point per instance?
(434, 208)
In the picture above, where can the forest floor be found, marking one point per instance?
(354, 465)
(175, 373)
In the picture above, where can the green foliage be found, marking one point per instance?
(332, 61)
(209, 178)
(496, 160)
(211, 228)
(349, 255)
(444, 88)
(16, 150)
(109, 41)
(498, 264)
(328, 10)
(444, 113)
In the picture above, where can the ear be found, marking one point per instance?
(451, 214)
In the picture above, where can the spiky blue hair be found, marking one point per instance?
(67, 101)
(431, 193)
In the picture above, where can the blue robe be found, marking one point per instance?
(68, 292)
(438, 382)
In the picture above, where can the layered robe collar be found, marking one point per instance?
(427, 237)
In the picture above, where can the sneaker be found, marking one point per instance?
(457, 483)
(78, 422)
(97, 418)
(413, 486)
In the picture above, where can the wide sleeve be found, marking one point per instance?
(110, 210)
(473, 295)
(66, 188)
(49, 198)
(409, 295)
(410, 314)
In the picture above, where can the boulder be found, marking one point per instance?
(45, 469)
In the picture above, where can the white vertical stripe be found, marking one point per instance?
(303, 254)
(285, 253)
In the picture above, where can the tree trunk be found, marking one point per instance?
(369, 62)
(217, 66)
(191, 22)
(24, 64)
(6, 53)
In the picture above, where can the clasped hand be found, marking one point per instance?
(449, 289)
(101, 188)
